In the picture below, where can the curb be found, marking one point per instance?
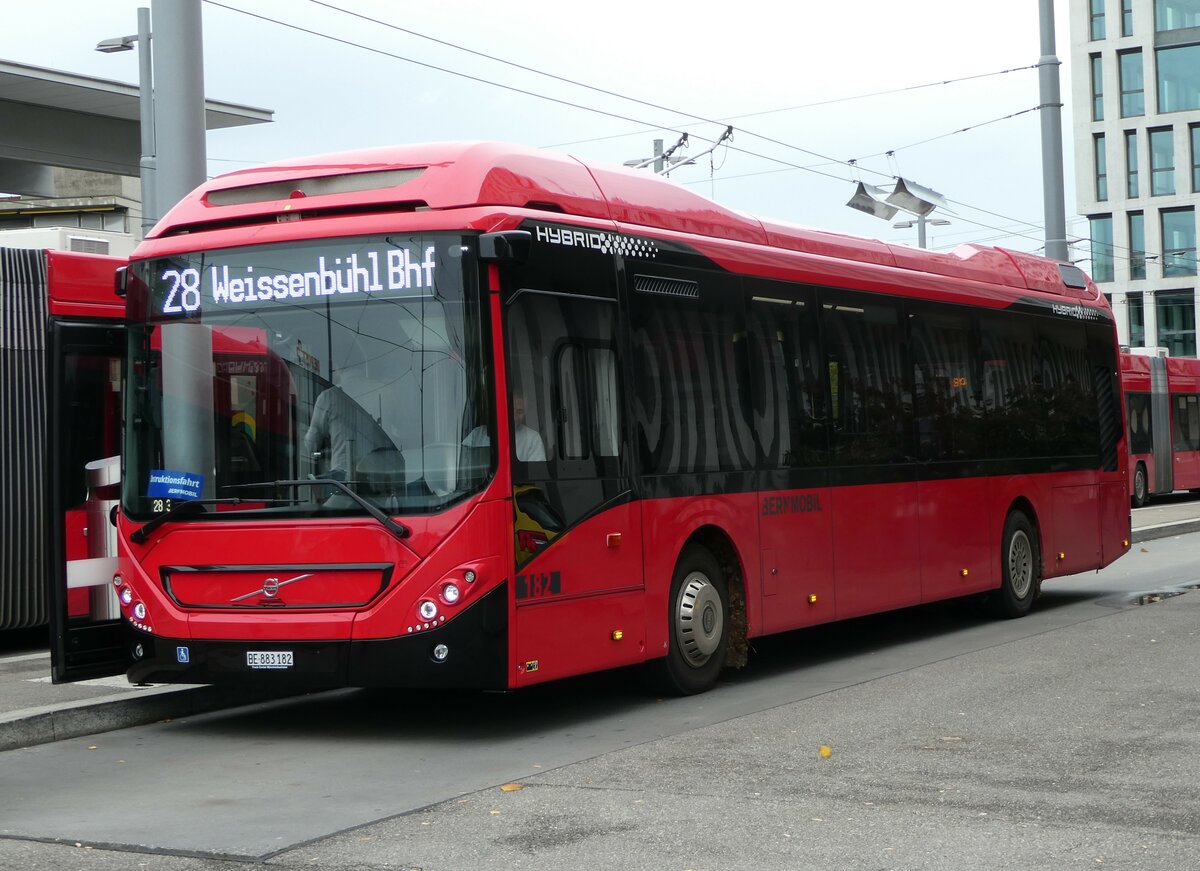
(1164, 530)
(33, 726)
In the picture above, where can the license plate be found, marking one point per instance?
(269, 659)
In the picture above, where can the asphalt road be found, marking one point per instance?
(1065, 739)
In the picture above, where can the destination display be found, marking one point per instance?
(296, 274)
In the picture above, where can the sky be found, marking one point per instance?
(818, 93)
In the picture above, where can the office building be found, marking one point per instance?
(1136, 102)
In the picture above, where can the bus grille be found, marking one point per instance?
(666, 286)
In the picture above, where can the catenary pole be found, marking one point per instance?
(179, 101)
(1052, 155)
(150, 212)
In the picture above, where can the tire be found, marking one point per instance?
(1020, 568)
(697, 625)
(1138, 497)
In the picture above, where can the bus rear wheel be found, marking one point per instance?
(1020, 568)
(698, 624)
(1138, 497)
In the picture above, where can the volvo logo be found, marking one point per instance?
(270, 588)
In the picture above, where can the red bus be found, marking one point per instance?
(62, 340)
(1162, 405)
(538, 418)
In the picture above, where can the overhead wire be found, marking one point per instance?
(788, 165)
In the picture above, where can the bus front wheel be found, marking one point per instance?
(1139, 486)
(1020, 568)
(698, 624)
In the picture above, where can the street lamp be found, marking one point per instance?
(920, 222)
(146, 109)
(907, 196)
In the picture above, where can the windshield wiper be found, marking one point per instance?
(140, 534)
(398, 530)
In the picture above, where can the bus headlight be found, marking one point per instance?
(127, 596)
(427, 610)
(450, 594)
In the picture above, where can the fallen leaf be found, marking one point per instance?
(826, 751)
(511, 787)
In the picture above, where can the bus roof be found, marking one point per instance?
(457, 175)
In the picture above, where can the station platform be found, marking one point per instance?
(33, 710)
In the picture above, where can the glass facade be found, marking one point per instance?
(1097, 22)
(1126, 17)
(1137, 320)
(1194, 131)
(1102, 248)
(1101, 167)
(1178, 242)
(1168, 14)
(1097, 89)
(1133, 83)
(1132, 189)
(1178, 78)
(1137, 246)
(1162, 162)
(1176, 312)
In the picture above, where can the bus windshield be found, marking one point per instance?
(358, 360)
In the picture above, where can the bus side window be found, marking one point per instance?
(692, 404)
(1187, 422)
(789, 406)
(948, 391)
(869, 385)
(1141, 436)
(1016, 424)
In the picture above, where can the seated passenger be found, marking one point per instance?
(529, 447)
(350, 431)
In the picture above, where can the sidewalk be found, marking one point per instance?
(35, 711)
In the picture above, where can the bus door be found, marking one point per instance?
(790, 415)
(88, 636)
(578, 581)
(1185, 434)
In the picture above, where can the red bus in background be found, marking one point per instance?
(538, 418)
(62, 341)
(1162, 403)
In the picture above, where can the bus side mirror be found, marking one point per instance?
(508, 246)
(121, 281)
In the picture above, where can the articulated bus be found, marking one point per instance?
(1162, 403)
(517, 417)
(62, 340)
